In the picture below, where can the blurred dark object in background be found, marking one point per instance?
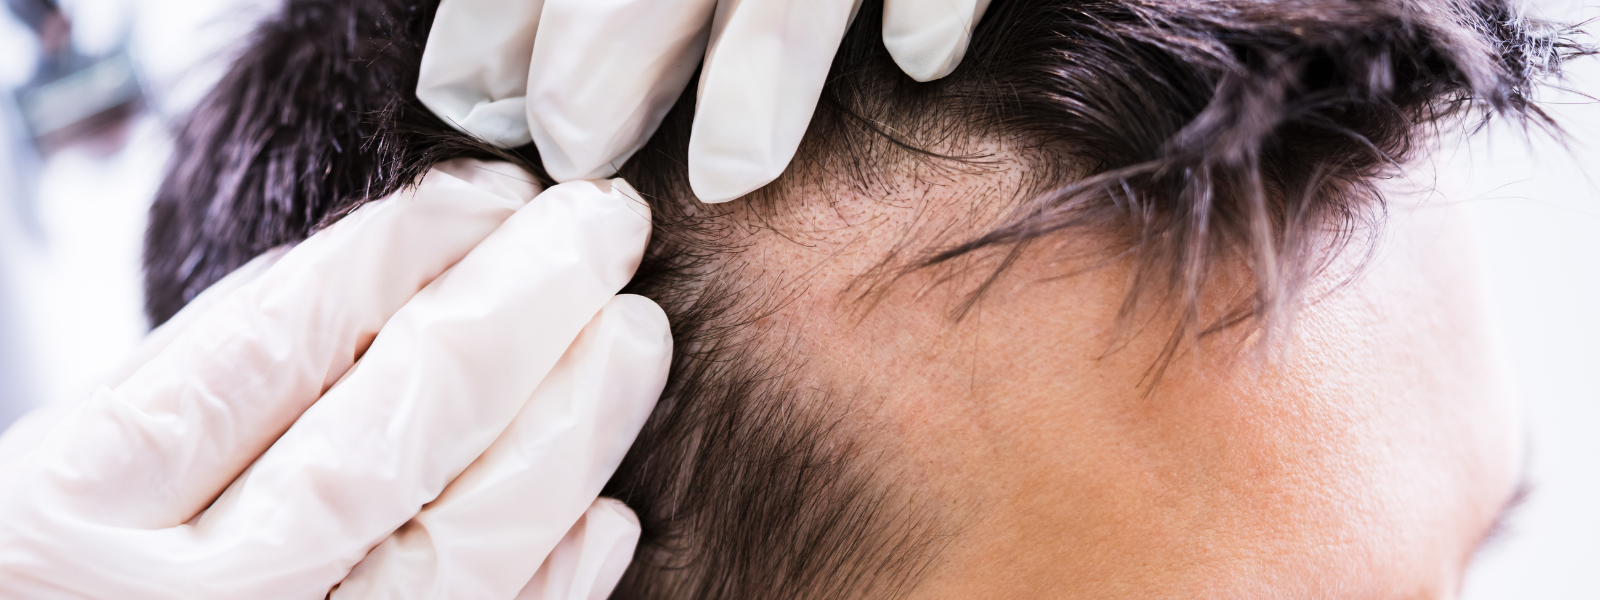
(73, 97)
(36, 14)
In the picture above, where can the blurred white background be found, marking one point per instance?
(71, 227)
(1537, 208)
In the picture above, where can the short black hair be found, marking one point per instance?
(1200, 130)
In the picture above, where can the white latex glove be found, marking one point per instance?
(595, 77)
(482, 537)
(121, 498)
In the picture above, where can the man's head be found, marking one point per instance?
(1002, 334)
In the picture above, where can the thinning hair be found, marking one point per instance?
(1198, 131)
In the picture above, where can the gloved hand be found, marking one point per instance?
(457, 339)
(588, 81)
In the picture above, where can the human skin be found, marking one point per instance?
(1364, 454)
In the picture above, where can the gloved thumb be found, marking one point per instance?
(590, 560)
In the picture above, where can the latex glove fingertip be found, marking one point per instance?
(928, 38)
(764, 71)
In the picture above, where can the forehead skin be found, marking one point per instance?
(1366, 462)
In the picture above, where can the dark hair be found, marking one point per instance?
(1201, 130)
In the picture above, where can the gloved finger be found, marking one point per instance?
(474, 69)
(763, 74)
(159, 338)
(927, 38)
(166, 441)
(604, 73)
(484, 536)
(591, 559)
(29, 431)
(444, 378)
